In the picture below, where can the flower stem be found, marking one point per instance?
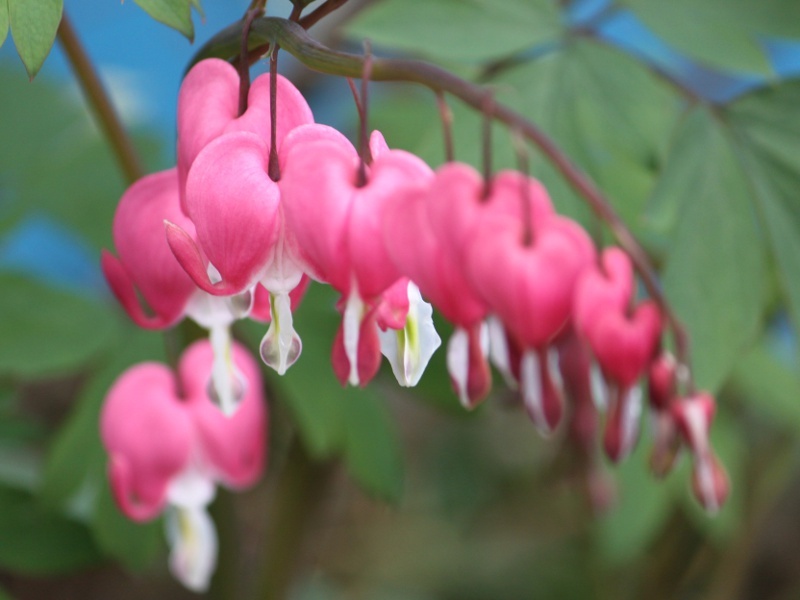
(99, 101)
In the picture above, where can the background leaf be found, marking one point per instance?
(766, 125)
(485, 30)
(38, 339)
(173, 13)
(34, 25)
(3, 21)
(39, 543)
(715, 272)
(724, 34)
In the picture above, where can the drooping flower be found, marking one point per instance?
(623, 340)
(338, 226)
(694, 415)
(169, 446)
(147, 265)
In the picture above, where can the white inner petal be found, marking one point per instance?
(353, 313)
(498, 350)
(631, 416)
(458, 363)
(598, 386)
(532, 396)
(281, 346)
(704, 471)
(193, 546)
(191, 488)
(227, 386)
(409, 350)
(697, 424)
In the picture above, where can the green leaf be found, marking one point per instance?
(605, 110)
(3, 21)
(767, 135)
(715, 272)
(3, 594)
(40, 543)
(459, 30)
(46, 332)
(173, 13)
(721, 33)
(34, 25)
(769, 386)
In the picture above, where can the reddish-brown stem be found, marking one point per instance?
(274, 165)
(243, 62)
(363, 138)
(487, 105)
(297, 10)
(312, 18)
(99, 102)
(525, 189)
(446, 116)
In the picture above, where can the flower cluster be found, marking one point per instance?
(262, 201)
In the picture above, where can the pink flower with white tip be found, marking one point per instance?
(524, 263)
(147, 265)
(623, 340)
(694, 415)
(338, 226)
(232, 200)
(169, 446)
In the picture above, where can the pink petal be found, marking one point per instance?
(145, 260)
(233, 447)
(208, 105)
(147, 432)
(234, 205)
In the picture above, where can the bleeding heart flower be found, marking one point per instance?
(623, 340)
(169, 446)
(338, 226)
(241, 231)
(527, 275)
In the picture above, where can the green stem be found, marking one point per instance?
(99, 101)
(294, 39)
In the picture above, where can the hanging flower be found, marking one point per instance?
(169, 446)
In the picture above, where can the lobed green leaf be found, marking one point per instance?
(715, 273)
(766, 127)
